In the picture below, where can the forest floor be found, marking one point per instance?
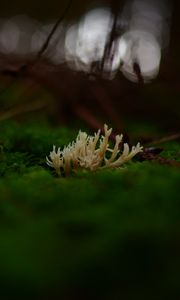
(92, 235)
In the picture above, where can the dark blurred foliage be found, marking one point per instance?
(156, 102)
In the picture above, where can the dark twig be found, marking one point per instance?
(152, 154)
(137, 71)
(53, 30)
(19, 72)
(22, 69)
(112, 36)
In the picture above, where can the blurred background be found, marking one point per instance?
(114, 62)
(120, 58)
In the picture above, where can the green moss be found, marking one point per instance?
(105, 234)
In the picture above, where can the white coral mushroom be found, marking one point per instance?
(56, 161)
(86, 154)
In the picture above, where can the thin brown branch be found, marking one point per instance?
(85, 115)
(165, 139)
(21, 109)
(93, 122)
(108, 107)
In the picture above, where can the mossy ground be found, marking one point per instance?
(93, 235)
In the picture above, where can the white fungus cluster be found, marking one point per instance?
(91, 152)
